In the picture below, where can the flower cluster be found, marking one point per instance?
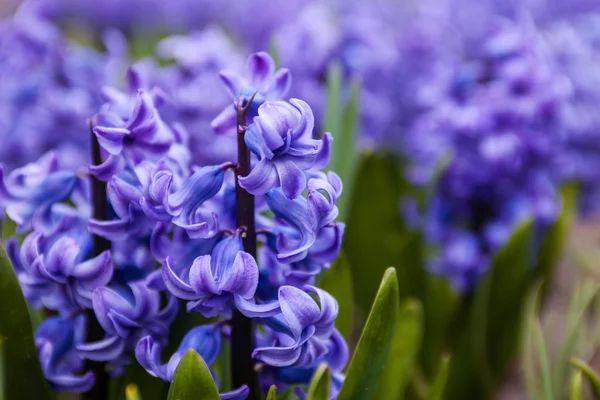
(502, 119)
(169, 242)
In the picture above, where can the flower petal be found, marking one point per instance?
(261, 179)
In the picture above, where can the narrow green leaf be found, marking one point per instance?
(398, 369)
(510, 276)
(193, 380)
(23, 369)
(589, 374)
(337, 281)
(554, 240)
(318, 389)
(333, 118)
(9, 228)
(374, 344)
(436, 391)
(532, 384)
(274, 52)
(582, 298)
(374, 232)
(441, 303)
(576, 386)
(544, 360)
(272, 395)
(344, 146)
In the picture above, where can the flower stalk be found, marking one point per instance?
(242, 335)
(94, 331)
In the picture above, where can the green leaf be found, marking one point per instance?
(374, 344)
(441, 303)
(589, 374)
(337, 281)
(510, 277)
(193, 380)
(272, 395)
(374, 232)
(343, 151)
(555, 239)
(318, 389)
(436, 391)
(535, 351)
(580, 302)
(333, 118)
(398, 369)
(576, 386)
(23, 369)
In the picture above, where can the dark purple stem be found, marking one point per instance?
(94, 330)
(242, 334)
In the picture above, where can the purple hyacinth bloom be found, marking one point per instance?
(55, 272)
(55, 340)
(127, 314)
(262, 79)
(282, 138)
(212, 281)
(133, 138)
(205, 339)
(28, 193)
(305, 327)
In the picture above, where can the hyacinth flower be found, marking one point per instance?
(262, 83)
(281, 136)
(28, 193)
(140, 136)
(205, 339)
(214, 281)
(58, 273)
(55, 340)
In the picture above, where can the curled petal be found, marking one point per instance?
(72, 383)
(260, 68)
(242, 277)
(226, 121)
(282, 81)
(174, 283)
(238, 394)
(108, 168)
(262, 178)
(329, 309)
(111, 139)
(324, 153)
(253, 310)
(298, 308)
(105, 350)
(96, 271)
(201, 278)
(291, 178)
(278, 356)
(147, 353)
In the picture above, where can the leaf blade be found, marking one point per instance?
(374, 344)
(192, 380)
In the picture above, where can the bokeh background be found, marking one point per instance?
(467, 134)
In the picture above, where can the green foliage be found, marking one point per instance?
(591, 375)
(272, 395)
(23, 369)
(575, 386)
(193, 380)
(375, 343)
(436, 391)
(337, 281)
(398, 369)
(373, 234)
(342, 122)
(318, 389)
